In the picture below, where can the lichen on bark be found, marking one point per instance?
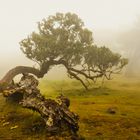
(55, 113)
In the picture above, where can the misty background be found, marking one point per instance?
(115, 24)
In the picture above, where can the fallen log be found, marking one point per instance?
(55, 113)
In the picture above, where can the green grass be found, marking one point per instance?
(95, 122)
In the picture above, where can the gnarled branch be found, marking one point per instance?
(18, 70)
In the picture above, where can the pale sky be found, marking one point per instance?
(19, 18)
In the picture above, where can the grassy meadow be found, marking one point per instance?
(122, 95)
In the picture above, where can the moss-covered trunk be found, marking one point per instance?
(56, 113)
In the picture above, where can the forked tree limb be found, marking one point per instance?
(78, 78)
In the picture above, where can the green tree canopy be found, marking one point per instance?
(63, 39)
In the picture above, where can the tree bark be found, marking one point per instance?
(55, 113)
(78, 78)
(25, 69)
(19, 70)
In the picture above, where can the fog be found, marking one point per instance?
(129, 41)
(115, 23)
(125, 41)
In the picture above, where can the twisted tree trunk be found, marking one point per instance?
(18, 70)
(39, 73)
(56, 113)
(44, 68)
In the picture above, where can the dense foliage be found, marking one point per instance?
(63, 39)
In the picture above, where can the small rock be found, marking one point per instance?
(14, 127)
(5, 123)
(99, 134)
(112, 110)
